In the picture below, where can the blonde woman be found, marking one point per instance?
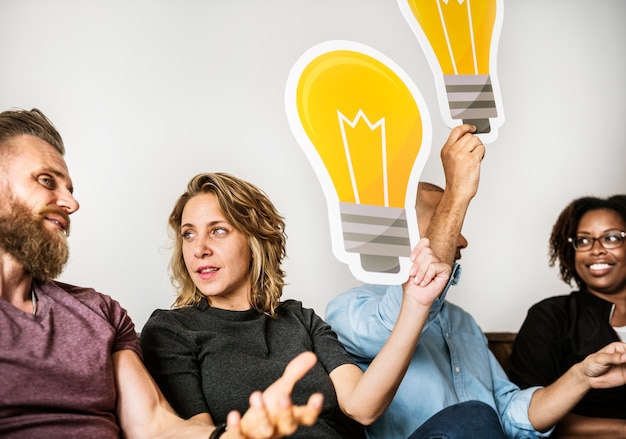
(229, 333)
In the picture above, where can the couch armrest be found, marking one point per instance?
(501, 344)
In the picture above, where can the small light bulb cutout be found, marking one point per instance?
(460, 39)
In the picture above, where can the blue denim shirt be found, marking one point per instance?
(452, 362)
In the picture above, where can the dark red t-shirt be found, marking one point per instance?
(56, 368)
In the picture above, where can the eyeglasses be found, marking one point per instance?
(608, 241)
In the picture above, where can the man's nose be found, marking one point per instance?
(67, 201)
(462, 242)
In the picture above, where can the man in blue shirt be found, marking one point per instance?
(452, 364)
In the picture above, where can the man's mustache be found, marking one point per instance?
(52, 212)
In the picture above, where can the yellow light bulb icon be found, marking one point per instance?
(460, 40)
(366, 131)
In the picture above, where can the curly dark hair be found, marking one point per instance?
(566, 226)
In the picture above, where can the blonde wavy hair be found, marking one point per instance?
(249, 210)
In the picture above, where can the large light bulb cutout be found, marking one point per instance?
(460, 39)
(367, 133)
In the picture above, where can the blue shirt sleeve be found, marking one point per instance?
(364, 317)
(452, 363)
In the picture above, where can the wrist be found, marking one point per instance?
(456, 197)
(579, 381)
(220, 429)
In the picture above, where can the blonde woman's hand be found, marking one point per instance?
(428, 276)
(271, 413)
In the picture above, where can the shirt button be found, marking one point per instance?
(457, 369)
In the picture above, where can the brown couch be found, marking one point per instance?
(501, 344)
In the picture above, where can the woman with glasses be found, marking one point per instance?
(588, 243)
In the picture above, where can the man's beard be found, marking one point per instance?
(42, 252)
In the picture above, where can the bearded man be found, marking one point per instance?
(70, 362)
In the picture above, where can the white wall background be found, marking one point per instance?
(147, 93)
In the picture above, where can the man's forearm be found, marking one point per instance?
(445, 226)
